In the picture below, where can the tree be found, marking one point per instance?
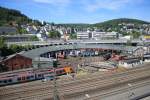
(22, 30)
(136, 34)
(15, 48)
(54, 34)
(2, 43)
(37, 23)
(73, 36)
(34, 38)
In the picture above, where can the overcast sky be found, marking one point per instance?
(81, 11)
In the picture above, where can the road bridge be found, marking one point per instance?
(49, 42)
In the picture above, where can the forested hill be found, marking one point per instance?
(115, 22)
(11, 16)
(73, 25)
(109, 24)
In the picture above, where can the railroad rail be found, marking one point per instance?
(69, 89)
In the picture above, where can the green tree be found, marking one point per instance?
(136, 34)
(34, 38)
(2, 43)
(73, 36)
(37, 23)
(54, 34)
(22, 30)
(16, 48)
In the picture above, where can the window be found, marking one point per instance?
(19, 78)
(23, 78)
(0, 81)
(10, 80)
(39, 75)
(57, 72)
(28, 77)
(5, 81)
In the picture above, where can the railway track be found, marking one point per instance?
(115, 91)
(101, 86)
(28, 85)
(70, 88)
(86, 86)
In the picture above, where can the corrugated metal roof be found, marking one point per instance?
(13, 55)
(38, 51)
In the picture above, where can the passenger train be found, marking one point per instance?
(31, 74)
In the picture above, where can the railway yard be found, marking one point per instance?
(91, 87)
(55, 50)
(78, 74)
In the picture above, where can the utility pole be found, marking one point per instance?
(39, 64)
(56, 96)
(143, 51)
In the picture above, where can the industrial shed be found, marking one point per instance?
(16, 61)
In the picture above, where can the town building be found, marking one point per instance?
(84, 35)
(104, 35)
(97, 35)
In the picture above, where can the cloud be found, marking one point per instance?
(54, 2)
(106, 4)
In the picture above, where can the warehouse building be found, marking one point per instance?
(16, 61)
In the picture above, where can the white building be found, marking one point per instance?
(84, 35)
(97, 35)
(104, 35)
(130, 63)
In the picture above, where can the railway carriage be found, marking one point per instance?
(31, 75)
(9, 79)
(26, 76)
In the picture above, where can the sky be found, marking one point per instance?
(80, 11)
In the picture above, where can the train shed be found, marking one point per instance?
(16, 61)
